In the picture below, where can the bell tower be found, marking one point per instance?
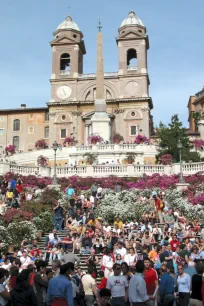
(68, 50)
(133, 44)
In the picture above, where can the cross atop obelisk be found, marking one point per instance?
(99, 24)
(100, 69)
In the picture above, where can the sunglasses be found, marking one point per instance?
(118, 269)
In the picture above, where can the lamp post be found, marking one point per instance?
(180, 146)
(55, 147)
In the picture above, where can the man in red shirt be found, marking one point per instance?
(150, 277)
(174, 243)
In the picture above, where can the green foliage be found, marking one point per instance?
(90, 158)
(49, 197)
(5, 239)
(17, 231)
(125, 204)
(35, 207)
(43, 222)
(169, 137)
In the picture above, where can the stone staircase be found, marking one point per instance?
(83, 257)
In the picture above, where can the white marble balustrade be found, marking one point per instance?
(24, 170)
(103, 170)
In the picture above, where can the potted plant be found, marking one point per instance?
(117, 138)
(130, 158)
(11, 149)
(69, 141)
(141, 139)
(41, 144)
(42, 161)
(93, 139)
(90, 158)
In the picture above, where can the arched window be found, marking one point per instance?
(16, 141)
(16, 125)
(65, 62)
(131, 58)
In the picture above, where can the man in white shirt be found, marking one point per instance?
(25, 260)
(99, 190)
(51, 235)
(120, 250)
(118, 285)
(90, 288)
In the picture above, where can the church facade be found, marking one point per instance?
(71, 106)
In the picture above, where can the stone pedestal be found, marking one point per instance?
(101, 125)
(181, 186)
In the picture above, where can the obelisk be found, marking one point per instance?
(100, 119)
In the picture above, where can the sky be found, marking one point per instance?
(175, 58)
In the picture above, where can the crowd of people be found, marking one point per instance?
(157, 260)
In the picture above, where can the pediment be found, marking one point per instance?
(63, 40)
(90, 114)
(131, 34)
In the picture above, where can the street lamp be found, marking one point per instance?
(180, 146)
(55, 147)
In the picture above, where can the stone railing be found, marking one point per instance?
(24, 170)
(148, 169)
(132, 68)
(118, 170)
(64, 72)
(192, 168)
(70, 171)
(103, 170)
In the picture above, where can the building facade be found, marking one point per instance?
(71, 105)
(196, 113)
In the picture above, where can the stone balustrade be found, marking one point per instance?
(102, 170)
(73, 154)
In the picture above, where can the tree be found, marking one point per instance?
(169, 137)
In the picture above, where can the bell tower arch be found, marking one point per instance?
(68, 50)
(132, 44)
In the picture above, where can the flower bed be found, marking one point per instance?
(162, 182)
